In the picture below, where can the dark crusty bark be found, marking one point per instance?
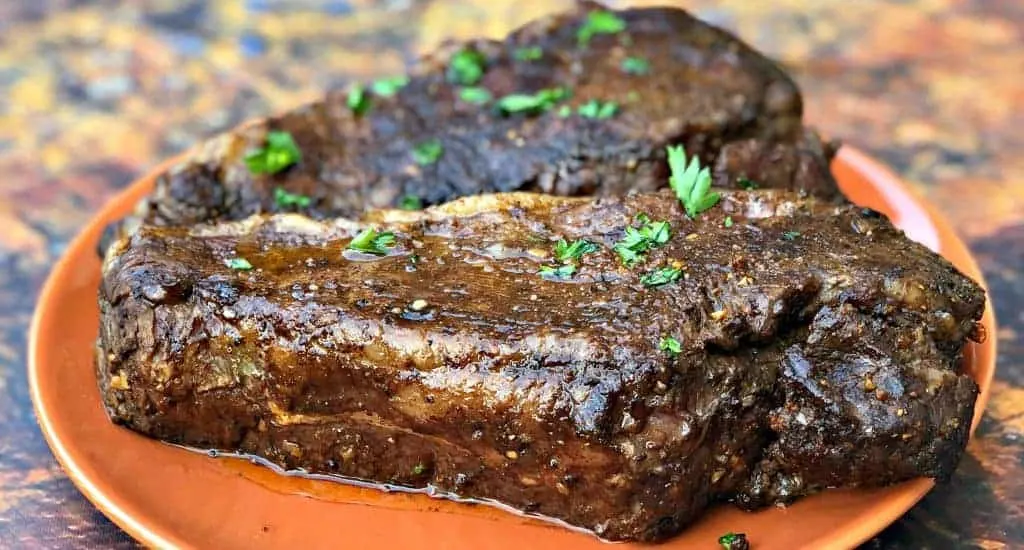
(801, 164)
(705, 89)
(823, 358)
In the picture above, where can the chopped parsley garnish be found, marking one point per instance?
(410, 202)
(746, 184)
(565, 111)
(418, 469)
(599, 22)
(670, 345)
(629, 256)
(635, 65)
(690, 182)
(358, 100)
(597, 109)
(528, 53)
(475, 95)
(241, 264)
(790, 235)
(466, 68)
(634, 240)
(633, 96)
(371, 241)
(428, 152)
(734, 541)
(558, 271)
(728, 221)
(284, 199)
(656, 233)
(638, 241)
(532, 103)
(388, 87)
(566, 252)
(661, 276)
(279, 153)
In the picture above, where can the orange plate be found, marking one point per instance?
(170, 497)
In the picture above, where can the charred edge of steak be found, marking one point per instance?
(705, 89)
(827, 359)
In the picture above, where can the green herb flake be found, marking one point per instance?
(532, 103)
(629, 256)
(746, 184)
(656, 233)
(598, 110)
(428, 152)
(670, 345)
(637, 241)
(690, 182)
(475, 95)
(633, 96)
(419, 469)
(608, 110)
(358, 100)
(239, 264)
(565, 252)
(528, 53)
(371, 241)
(565, 111)
(661, 276)
(279, 153)
(388, 87)
(284, 199)
(734, 541)
(728, 221)
(599, 22)
(558, 271)
(632, 246)
(466, 67)
(790, 235)
(410, 202)
(635, 65)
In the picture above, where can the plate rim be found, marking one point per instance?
(858, 161)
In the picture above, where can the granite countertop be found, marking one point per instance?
(95, 92)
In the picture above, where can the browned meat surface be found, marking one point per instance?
(802, 165)
(701, 87)
(817, 347)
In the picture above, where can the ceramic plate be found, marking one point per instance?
(171, 497)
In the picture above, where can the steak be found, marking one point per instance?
(697, 85)
(800, 346)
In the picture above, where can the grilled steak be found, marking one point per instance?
(807, 346)
(698, 86)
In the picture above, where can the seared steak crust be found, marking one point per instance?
(819, 348)
(704, 88)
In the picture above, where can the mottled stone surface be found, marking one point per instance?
(94, 92)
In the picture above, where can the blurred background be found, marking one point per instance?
(95, 92)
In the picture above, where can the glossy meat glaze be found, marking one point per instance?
(703, 88)
(819, 347)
